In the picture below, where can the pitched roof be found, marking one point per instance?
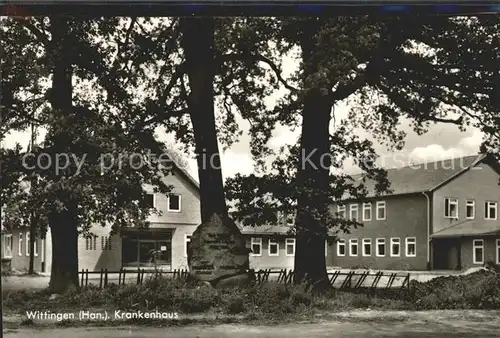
(473, 227)
(417, 178)
(186, 175)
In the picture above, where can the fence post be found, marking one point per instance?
(100, 278)
(86, 277)
(105, 277)
(81, 282)
(138, 276)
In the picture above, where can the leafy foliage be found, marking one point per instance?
(389, 70)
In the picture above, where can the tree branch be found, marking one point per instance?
(125, 42)
(257, 57)
(160, 118)
(41, 36)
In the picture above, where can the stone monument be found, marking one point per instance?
(218, 253)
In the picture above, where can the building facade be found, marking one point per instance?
(16, 251)
(441, 215)
(162, 245)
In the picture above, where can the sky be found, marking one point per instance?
(442, 141)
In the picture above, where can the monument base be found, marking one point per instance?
(218, 254)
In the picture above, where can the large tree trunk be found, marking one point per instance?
(313, 177)
(62, 222)
(198, 44)
(33, 218)
(64, 274)
(31, 269)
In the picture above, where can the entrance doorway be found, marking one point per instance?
(146, 249)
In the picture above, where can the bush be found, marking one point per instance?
(235, 305)
(480, 290)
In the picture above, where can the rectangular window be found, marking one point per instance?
(274, 248)
(290, 219)
(187, 241)
(174, 202)
(367, 211)
(341, 247)
(353, 247)
(498, 251)
(256, 244)
(146, 251)
(411, 247)
(381, 214)
(451, 207)
(341, 211)
(290, 246)
(395, 247)
(7, 245)
(91, 242)
(150, 201)
(380, 247)
(478, 251)
(28, 243)
(20, 247)
(353, 213)
(470, 209)
(105, 243)
(490, 210)
(367, 247)
(35, 248)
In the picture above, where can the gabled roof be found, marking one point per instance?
(424, 177)
(186, 175)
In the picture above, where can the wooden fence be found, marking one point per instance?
(343, 280)
(125, 276)
(338, 279)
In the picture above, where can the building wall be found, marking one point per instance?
(20, 258)
(490, 255)
(406, 216)
(179, 256)
(190, 202)
(95, 259)
(265, 261)
(479, 184)
(182, 223)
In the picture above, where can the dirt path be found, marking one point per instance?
(330, 329)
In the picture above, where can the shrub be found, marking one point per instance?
(197, 300)
(235, 305)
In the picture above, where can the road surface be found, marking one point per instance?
(331, 329)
